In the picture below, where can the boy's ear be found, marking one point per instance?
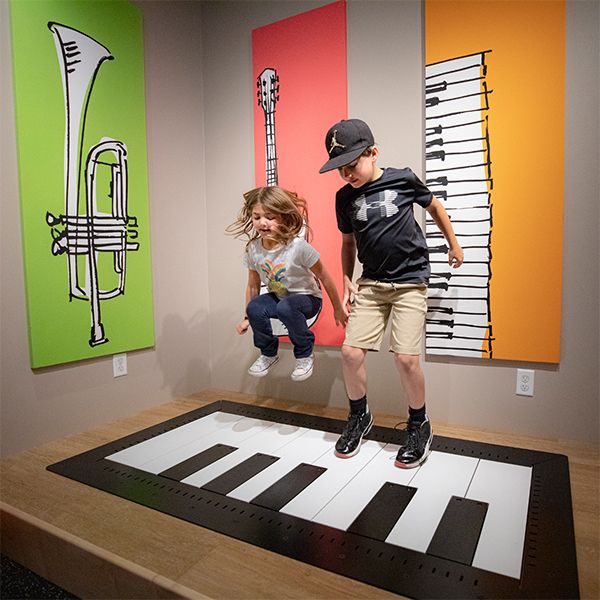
(374, 153)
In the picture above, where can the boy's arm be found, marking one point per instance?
(325, 278)
(442, 220)
(348, 262)
(252, 290)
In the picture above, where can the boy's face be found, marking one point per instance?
(362, 170)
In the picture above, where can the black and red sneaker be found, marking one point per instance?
(417, 446)
(358, 425)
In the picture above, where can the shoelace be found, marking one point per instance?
(413, 438)
(412, 429)
(351, 426)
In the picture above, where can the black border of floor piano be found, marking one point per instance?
(549, 565)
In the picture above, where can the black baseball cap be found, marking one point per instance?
(346, 141)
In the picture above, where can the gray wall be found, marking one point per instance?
(199, 115)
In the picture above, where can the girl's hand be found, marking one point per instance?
(242, 326)
(340, 316)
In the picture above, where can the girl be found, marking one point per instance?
(277, 255)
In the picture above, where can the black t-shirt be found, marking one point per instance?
(391, 245)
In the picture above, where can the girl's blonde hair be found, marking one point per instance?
(290, 207)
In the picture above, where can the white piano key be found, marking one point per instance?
(459, 321)
(468, 213)
(442, 476)
(471, 305)
(471, 104)
(232, 435)
(505, 487)
(447, 68)
(468, 228)
(144, 452)
(464, 143)
(267, 441)
(304, 449)
(345, 506)
(453, 85)
(452, 159)
(474, 269)
(470, 129)
(452, 351)
(456, 186)
(470, 170)
(339, 472)
(475, 282)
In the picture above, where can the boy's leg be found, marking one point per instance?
(360, 419)
(354, 371)
(408, 320)
(412, 378)
(364, 332)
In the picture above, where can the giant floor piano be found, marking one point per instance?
(475, 520)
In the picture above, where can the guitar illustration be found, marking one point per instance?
(268, 95)
(267, 84)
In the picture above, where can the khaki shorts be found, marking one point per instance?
(373, 305)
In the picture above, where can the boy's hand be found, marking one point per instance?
(456, 257)
(242, 326)
(350, 290)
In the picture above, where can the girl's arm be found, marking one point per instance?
(442, 220)
(252, 290)
(325, 278)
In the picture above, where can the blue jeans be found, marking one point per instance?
(292, 311)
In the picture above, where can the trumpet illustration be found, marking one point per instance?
(83, 229)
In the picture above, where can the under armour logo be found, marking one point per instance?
(386, 206)
(334, 143)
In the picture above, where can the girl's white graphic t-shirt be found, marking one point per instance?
(285, 269)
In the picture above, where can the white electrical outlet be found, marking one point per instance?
(119, 365)
(525, 382)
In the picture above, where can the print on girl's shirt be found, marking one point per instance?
(275, 275)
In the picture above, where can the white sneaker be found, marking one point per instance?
(260, 367)
(304, 368)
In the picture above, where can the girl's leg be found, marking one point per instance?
(293, 311)
(260, 311)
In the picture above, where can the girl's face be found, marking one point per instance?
(265, 222)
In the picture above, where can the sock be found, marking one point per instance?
(417, 415)
(358, 406)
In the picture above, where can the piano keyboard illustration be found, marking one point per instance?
(292, 469)
(459, 173)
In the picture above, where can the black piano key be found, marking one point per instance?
(458, 532)
(228, 481)
(383, 511)
(193, 464)
(288, 487)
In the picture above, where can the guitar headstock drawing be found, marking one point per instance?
(268, 96)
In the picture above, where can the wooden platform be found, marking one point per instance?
(74, 535)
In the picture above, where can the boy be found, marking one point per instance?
(375, 215)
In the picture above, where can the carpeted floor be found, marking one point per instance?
(18, 583)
